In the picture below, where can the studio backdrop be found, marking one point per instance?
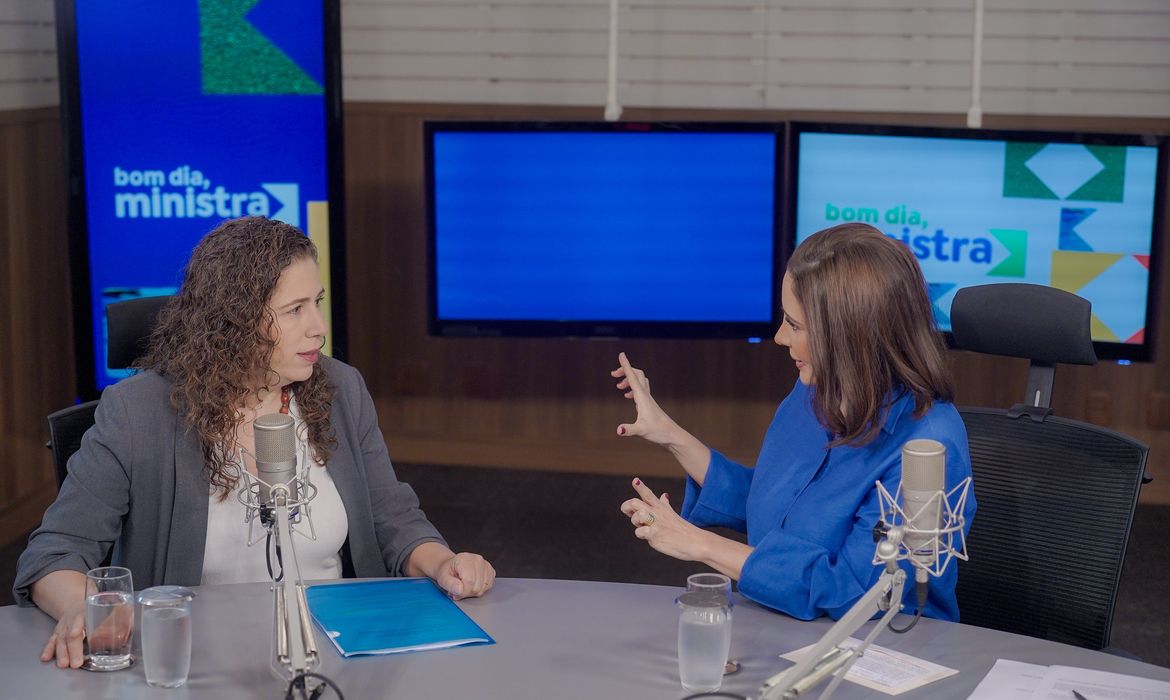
(181, 115)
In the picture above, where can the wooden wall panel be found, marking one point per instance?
(36, 338)
(520, 403)
(550, 403)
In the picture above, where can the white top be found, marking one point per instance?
(227, 558)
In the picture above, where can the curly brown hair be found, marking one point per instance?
(216, 337)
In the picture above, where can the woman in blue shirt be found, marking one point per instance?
(873, 374)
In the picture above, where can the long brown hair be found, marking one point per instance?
(216, 337)
(871, 329)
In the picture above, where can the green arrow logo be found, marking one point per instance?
(1015, 263)
(238, 60)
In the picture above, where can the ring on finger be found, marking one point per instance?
(649, 519)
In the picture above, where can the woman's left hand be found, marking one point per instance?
(663, 529)
(465, 575)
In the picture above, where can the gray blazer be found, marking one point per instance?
(137, 483)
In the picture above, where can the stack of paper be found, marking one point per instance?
(389, 616)
(1013, 680)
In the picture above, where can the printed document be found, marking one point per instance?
(885, 670)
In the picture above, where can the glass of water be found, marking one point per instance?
(704, 638)
(166, 635)
(714, 584)
(109, 618)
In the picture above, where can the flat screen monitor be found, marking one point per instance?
(602, 229)
(1077, 211)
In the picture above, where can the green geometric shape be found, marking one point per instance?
(239, 60)
(1017, 244)
(1109, 184)
(1018, 178)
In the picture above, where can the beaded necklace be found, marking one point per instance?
(284, 398)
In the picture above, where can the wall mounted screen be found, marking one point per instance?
(602, 229)
(181, 115)
(1080, 212)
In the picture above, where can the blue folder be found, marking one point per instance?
(391, 616)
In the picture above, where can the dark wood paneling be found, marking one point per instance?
(550, 402)
(524, 403)
(36, 337)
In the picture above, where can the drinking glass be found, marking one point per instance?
(109, 618)
(166, 635)
(718, 585)
(704, 638)
(713, 584)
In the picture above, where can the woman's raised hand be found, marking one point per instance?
(652, 422)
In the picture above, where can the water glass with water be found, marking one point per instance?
(166, 635)
(715, 584)
(109, 618)
(704, 639)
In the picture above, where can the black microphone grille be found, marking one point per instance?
(275, 435)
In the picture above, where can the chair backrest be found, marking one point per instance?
(1056, 497)
(129, 325)
(1056, 501)
(65, 430)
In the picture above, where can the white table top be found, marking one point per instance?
(554, 639)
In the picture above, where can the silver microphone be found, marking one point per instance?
(924, 476)
(276, 454)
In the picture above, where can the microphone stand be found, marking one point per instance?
(827, 657)
(296, 649)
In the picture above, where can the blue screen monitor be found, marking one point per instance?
(602, 229)
(1080, 212)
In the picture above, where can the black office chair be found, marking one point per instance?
(1056, 496)
(129, 324)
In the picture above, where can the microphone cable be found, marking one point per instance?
(277, 578)
(298, 683)
(921, 590)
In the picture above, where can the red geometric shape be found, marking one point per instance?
(1138, 337)
(1144, 260)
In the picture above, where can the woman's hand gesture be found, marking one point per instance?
(655, 521)
(652, 422)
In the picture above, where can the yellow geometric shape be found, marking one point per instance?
(1099, 331)
(319, 234)
(1072, 270)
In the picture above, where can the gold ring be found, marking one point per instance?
(649, 518)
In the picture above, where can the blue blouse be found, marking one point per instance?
(809, 511)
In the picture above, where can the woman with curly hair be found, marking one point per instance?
(158, 475)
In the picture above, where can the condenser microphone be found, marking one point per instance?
(924, 479)
(924, 476)
(276, 454)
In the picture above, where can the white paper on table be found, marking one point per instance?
(1060, 681)
(883, 669)
(1010, 680)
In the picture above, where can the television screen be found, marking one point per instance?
(181, 115)
(602, 229)
(1079, 212)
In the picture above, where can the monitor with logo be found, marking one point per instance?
(602, 229)
(181, 115)
(1080, 212)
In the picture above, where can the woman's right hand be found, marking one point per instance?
(652, 422)
(67, 643)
